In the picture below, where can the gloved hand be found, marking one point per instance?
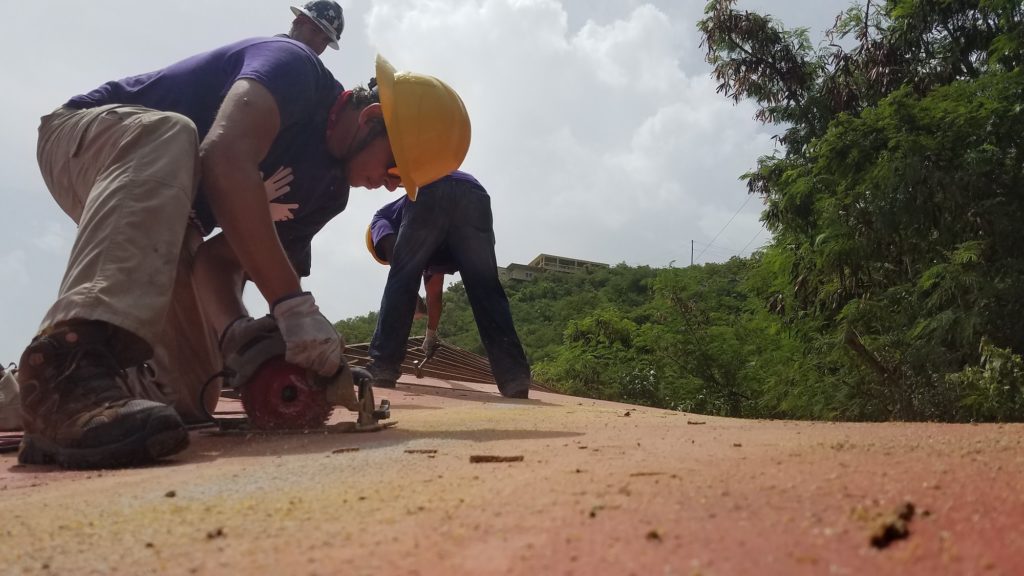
(430, 341)
(310, 340)
(278, 185)
(243, 329)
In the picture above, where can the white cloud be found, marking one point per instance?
(594, 143)
(596, 127)
(53, 239)
(14, 267)
(637, 52)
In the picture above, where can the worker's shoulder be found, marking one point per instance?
(457, 178)
(280, 42)
(461, 176)
(280, 49)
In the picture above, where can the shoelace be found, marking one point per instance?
(92, 367)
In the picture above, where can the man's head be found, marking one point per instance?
(318, 24)
(414, 130)
(356, 135)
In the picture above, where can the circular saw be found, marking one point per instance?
(282, 396)
(278, 395)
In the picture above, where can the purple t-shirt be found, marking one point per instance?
(388, 220)
(196, 86)
(303, 89)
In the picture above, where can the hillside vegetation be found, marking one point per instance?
(704, 339)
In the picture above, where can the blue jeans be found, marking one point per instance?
(456, 214)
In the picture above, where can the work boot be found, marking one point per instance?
(143, 383)
(10, 400)
(381, 377)
(77, 410)
(383, 382)
(518, 389)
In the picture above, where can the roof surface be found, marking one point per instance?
(601, 488)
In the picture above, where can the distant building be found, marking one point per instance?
(546, 263)
(563, 264)
(518, 272)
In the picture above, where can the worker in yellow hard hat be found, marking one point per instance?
(307, 192)
(162, 158)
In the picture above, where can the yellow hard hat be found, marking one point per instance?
(427, 124)
(373, 251)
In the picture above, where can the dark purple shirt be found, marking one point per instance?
(196, 86)
(303, 89)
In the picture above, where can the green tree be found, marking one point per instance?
(598, 359)
(895, 200)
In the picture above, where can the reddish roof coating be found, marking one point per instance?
(602, 488)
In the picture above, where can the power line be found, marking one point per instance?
(718, 251)
(740, 209)
(752, 240)
(718, 247)
(724, 250)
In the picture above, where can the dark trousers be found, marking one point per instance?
(457, 214)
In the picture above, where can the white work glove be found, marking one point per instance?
(278, 185)
(310, 340)
(429, 341)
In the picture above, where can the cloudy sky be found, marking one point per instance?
(596, 126)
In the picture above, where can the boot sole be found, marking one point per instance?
(163, 435)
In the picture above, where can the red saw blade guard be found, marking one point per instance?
(280, 396)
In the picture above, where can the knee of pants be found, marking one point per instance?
(173, 132)
(172, 123)
(181, 131)
(172, 141)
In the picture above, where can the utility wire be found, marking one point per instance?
(725, 250)
(719, 247)
(752, 240)
(716, 251)
(742, 206)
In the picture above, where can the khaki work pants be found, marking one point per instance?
(127, 176)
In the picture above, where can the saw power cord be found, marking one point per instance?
(211, 419)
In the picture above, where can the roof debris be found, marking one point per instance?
(483, 458)
(892, 527)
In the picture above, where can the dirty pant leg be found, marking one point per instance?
(424, 223)
(127, 175)
(185, 355)
(471, 240)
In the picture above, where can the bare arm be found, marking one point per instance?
(242, 133)
(435, 289)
